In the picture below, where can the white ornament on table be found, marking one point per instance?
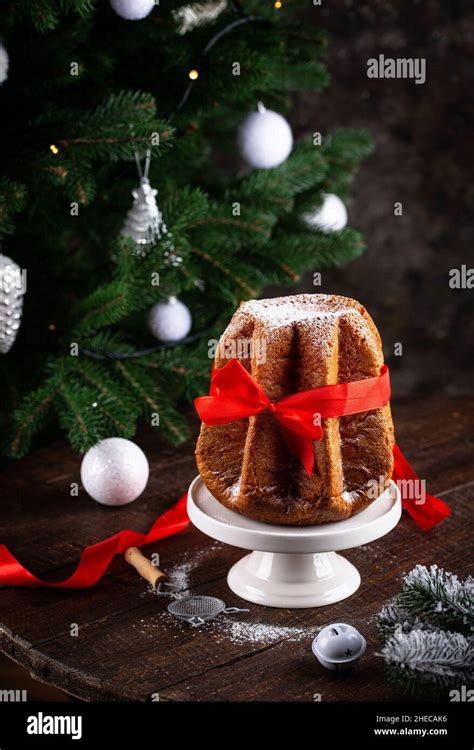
(339, 646)
(197, 14)
(170, 321)
(144, 223)
(4, 62)
(265, 138)
(331, 216)
(114, 472)
(11, 302)
(132, 10)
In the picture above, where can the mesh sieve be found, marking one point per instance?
(196, 610)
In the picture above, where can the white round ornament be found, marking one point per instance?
(114, 472)
(265, 138)
(339, 646)
(169, 321)
(331, 216)
(4, 61)
(132, 10)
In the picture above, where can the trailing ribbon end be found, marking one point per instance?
(426, 514)
(96, 558)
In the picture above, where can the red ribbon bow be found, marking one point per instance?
(234, 394)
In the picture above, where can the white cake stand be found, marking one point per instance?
(293, 566)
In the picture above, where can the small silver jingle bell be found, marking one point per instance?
(339, 646)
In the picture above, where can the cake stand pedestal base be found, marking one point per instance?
(293, 580)
(293, 566)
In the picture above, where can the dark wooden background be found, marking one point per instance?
(423, 152)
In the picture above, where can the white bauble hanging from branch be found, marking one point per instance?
(331, 216)
(265, 139)
(170, 321)
(132, 10)
(12, 290)
(4, 62)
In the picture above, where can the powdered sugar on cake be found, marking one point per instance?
(320, 311)
(285, 311)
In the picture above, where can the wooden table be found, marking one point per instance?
(129, 647)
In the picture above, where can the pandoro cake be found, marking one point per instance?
(291, 344)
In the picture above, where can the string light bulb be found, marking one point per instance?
(54, 149)
(52, 327)
(277, 4)
(193, 74)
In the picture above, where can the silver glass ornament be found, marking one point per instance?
(12, 289)
(144, 223)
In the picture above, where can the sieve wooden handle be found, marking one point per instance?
(143, 566)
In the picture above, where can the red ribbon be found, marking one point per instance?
(234, 394)
(96, 558)
(427, 510)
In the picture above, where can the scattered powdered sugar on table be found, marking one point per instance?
(180, 573)
(148, 626)
(240, 632)
(224, 628)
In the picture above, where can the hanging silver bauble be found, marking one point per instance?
(144, 223)
(12, 289)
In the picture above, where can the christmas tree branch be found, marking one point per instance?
(227, 271)
(12, 201)
(145, 387)
(427, 632)
(234, 223)
(30, 417)
(439, 597)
